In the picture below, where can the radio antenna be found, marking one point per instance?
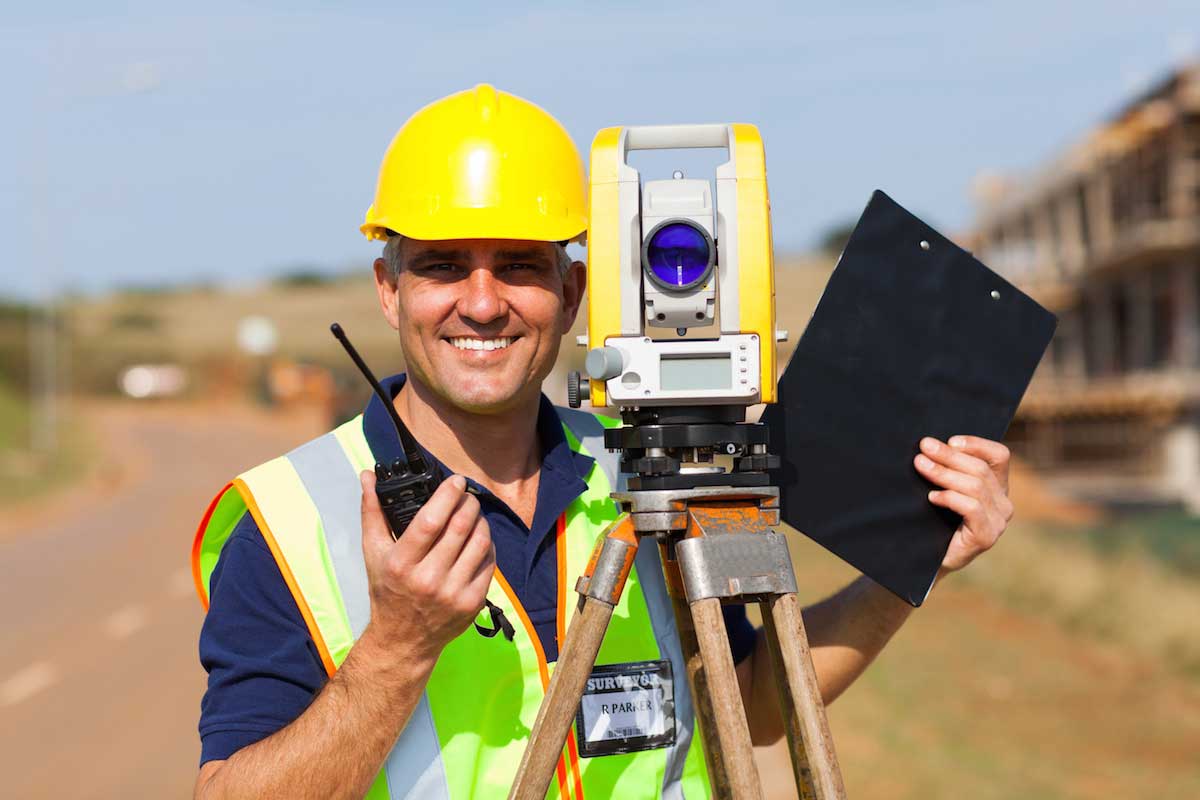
(412, 453)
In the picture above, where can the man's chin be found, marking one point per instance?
(485, 404)
(482, 397)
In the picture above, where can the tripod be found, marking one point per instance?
(716, 543)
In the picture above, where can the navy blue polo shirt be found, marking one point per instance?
(263, 668)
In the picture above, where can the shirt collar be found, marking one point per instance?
(564, 465)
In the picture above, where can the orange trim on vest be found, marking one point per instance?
(197, 578)
(560, 546)
(574, 754)
(543, 668)
(286, 571)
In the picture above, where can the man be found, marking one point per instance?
(343, 663)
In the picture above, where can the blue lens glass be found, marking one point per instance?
(678, 254)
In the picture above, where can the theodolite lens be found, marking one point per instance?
(678, 255)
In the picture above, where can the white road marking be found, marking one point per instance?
(27, 683)
(181, 584)
(127, 621)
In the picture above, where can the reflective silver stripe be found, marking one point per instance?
(590, 433)
(334, 488)
(414, 766)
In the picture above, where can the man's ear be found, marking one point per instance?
(574, 285)
(385, 287)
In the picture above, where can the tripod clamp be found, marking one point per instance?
(700, 536)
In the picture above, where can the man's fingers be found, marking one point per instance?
(477, 554)
(431, 520)
(449, 545)
(969, 483)
(994, 453)
(481, 580)
(955, 458)
(983, 530)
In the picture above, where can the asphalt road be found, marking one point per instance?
(100, 684)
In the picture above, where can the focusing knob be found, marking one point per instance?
(578, 389)
(604, 363)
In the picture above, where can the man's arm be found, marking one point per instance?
(848, 630)
(335, 748)
(425, 589)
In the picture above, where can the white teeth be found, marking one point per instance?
(469, 343)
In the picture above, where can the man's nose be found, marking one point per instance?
(482, 301)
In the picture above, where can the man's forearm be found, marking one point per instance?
(335, 748)
(847, 630)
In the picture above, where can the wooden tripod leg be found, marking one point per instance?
(701, 697)
(733, 732)
(813, 758)
(557, 711)
(601, 588)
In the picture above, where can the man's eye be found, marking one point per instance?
(521, 266)
(443, 268)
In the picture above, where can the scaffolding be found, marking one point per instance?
(1108, 237)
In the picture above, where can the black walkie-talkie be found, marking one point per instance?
(404, 486)
(407, 484)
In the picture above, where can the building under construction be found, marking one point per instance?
(1108, 238)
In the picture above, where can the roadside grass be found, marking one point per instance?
(14, 419)
(25, 474)
(1171, 536)
(1029, 674)
(1109, 581)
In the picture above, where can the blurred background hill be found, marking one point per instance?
(175, 332)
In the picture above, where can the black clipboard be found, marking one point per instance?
(912, 337)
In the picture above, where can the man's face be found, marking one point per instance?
(480, 320)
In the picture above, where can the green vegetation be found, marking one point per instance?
(302, 277)
(136, 320)
(1139, 591)
(14, 343)
(23, 473)
(14, 419)
(1042, 670)
(833, 240)
(1172, 537)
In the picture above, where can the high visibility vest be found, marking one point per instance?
(466, 736)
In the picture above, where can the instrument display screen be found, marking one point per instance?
(682, 373)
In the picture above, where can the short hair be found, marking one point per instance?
(391, 255)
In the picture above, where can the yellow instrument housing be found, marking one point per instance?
(611, 178)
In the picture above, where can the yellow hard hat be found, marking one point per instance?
(480, 164)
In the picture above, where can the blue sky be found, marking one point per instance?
(145, 145)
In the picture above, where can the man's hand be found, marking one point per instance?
(974, 475)
(427, 586)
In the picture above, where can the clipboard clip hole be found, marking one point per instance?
(924, 244)
(995, 295)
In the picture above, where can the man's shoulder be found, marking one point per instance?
(348, 436)
(589, 422)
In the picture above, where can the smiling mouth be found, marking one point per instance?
(474, 343)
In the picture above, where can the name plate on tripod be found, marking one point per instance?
(626, 708)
